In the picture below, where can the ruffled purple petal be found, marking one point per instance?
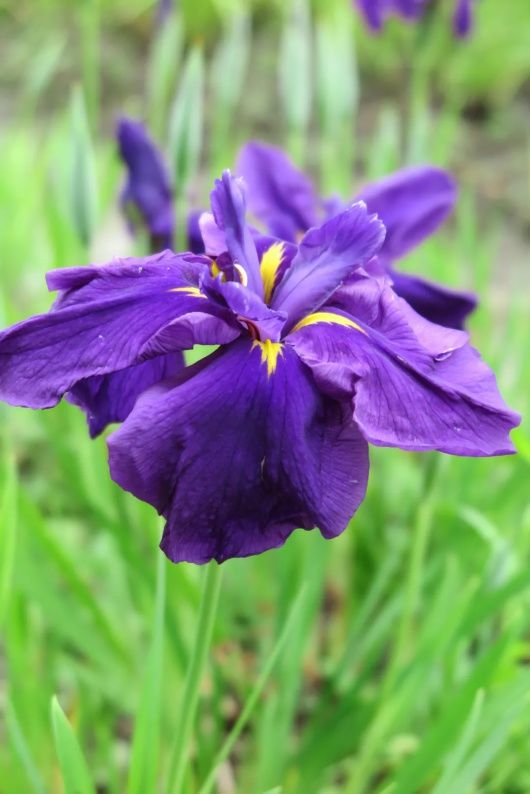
(110, 398)
(237, 456)
(281, 196)
(326, 257)
(229, 207)
(99, 325)
(412, 203)
(148, 187)
(415, 385)
(438, 304)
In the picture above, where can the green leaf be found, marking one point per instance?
(186, 122)
(145, 747)
(74, 770)
(83, 181)
(8, 526)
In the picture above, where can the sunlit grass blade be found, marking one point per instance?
(227, 77)
(8, 527)
(294, 76)
(74, 769)
(190, 693)
(254, 695)
(164, 64)
(146, 740)
(337, 91)
(83, 183)
(186, 131)
(22, 751)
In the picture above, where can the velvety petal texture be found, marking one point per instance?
(102, 324)
(279, 195)
(438, 304)
(327, 255)
(413, 384)
(229, 208)
(107, 399)
(236, 457)
(147, 196)
(412, 203)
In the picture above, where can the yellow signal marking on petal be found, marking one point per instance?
(270, 263)
(270, 351)
(327, 317)
(215, 269)
(193, 292)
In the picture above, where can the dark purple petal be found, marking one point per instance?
(239, 454)
(281, 196)
(412, 203)
(229, 207)
(376, 11)
(148, 187)
(463, 18)
(101, 324)
(416, 385)
(195, 241)
(111, 398)
(326, 257)
(438, 304)
(253, 314)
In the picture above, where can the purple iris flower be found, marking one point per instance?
(412, 203)
(147, 196)
(317, 357)
(376, 11)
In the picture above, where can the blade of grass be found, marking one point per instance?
(22, 750)
(190, 693)
(145, 747)
(8, 526)
(254, 695)
(74, 769)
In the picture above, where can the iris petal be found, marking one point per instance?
(281, 196)
(414, 385)
(412, 203)
(327, 255)
(99, 325)
(237, 457)
(229, 207)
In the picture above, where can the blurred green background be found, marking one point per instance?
(393, 660)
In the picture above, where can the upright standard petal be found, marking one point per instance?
(229, 207)
(438, 304)
(101, 324)
(147, 191)
(414, 385)
(249, 310)
(281, 196)
(240, 453)
(326, 257)
(412, 203)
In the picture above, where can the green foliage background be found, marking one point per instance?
(393, 660)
